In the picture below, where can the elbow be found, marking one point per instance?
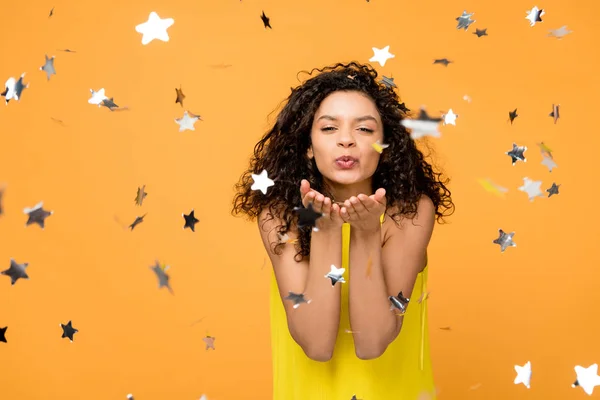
(318, 354)
(369, 352)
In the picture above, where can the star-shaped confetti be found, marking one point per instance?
(180, 96)
(140, 196)
(2, 189)
(48, 67)
(16, 271)
(297, 298)
(534, 15)
(491, 187)
(307, 216)
(154, 28)
(549, 163)
(587, 378)
(3, 334)
(388, 82)
(517, 153)
(266, 21)
(137, 221)
(505, 240)
(560, 32)
(555, 114)
(68, 331)
(381, 55)
(13, 88)
(480, 32)
(552, 190)
(523, 374)
(423, 125)
(545, 150)
(442, 61)
(262, 181)
(210, 342)
(532, 188)
(187, 122)
(163, 277)
(464, 20)
(37, 214)
(379, 147)
(336, 275)
(97, 97)
(399, 303)
(109, 103)
(512, 115)
(190, 221)
(450, 118)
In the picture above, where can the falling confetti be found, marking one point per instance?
(545, 150)
(388, 82)
(307, 216)
(423, 125)
(140, 196)
(336, 275)
(442, 61)
(297, 299)
(68, 331)
(517, 153)
(552, 190)
(450, 118)
(14, 88)
(560, 32)
(266, 21)
(2, 189)
(379, 147)
(523, 374)
(190, 221)
(97, 97)
(534, 15)
(262, 181)
(587, 378)
(16, 271)
(381, 55)
(154, 28)
(491, 187)
(180, 96)
(187, 122)
(512, 115)
(555, 114)
(505, 240)
(399, 303)
(137, 221)
(37, 215)
(532, 188)
(162, 276)
(480, 32)
(464, 20)
(549, 163)
(3, 334)
(48, 67)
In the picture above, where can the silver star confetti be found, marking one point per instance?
(549, 162)
(48, 67)
(517, 153)
(560, 32)
(587, 378)
(422, 126)
(552, 189)
(262, 181)
(534, 15)
(187, 122)
(297, 299)
(464, 20)
(336, 275)
(505, 240)
(532, 188)
(523, 374)
(399, 302)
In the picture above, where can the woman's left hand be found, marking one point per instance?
(364, 212)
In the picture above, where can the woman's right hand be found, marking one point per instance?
(333, 215)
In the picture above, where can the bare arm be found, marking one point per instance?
(394, 268)
(313, 326)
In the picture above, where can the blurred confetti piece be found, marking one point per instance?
(154, 28)
(534, 15)
(210, 342)
(467, 98)
(381, 55)
(560, 32)
(532, 188)
(587, 378)
(475, 386)
(545, 149)
(549, 162)
(423, 125)
(379, 147)
(523, 374)
(491, 187)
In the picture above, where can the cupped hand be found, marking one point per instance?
(365, 211)
(334, 215)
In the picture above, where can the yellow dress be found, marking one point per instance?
(403, 372)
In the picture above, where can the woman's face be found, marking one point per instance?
(346, 123)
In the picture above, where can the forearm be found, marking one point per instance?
(319, 325)
(371, 320)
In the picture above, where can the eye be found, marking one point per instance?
(328, 128)
(366, 130)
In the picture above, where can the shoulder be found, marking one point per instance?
(424, 218)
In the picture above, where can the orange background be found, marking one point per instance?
(534, 302)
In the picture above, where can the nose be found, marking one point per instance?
(346, 139)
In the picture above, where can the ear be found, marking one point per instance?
(309, 153)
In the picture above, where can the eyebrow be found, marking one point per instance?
(357, 119)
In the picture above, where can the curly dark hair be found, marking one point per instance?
(402, 171)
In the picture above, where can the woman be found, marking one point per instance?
(338, 147)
